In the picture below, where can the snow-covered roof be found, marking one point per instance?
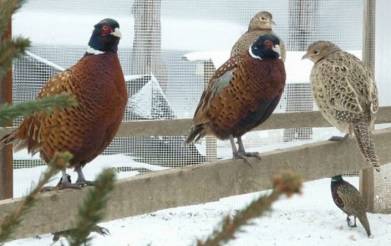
(71, 29)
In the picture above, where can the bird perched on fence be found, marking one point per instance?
(260, 24)
(349, 200)
(85, 130)
(241, 94)
(346, 94)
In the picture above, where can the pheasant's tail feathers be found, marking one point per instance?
(366, 144)
(196, 132)
(365, 223)
(8, 139)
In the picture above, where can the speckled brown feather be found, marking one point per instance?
(254, 85)
(98, 84)
(350, 201)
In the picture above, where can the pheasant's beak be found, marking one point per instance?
(277, 49)
(273, 23)
(305, 56)
(116, 33)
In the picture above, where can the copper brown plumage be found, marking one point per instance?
(242, 94)
(349, 200)
(97, 82)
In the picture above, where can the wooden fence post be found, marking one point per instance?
(6, 167)
(367, 177)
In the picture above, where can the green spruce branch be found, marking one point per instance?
(285, 183)
(46, 104)
(92, 210)
(12, 221)
(13, 48)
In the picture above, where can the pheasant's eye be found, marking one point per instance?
(316, 52)
(263, 18)
(106, 30)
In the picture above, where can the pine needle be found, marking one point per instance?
(11, 221)
(285, 183)
(92, 210)
(47, 104)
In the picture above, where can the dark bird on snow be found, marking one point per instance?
(85, 130)
(349, 200)
(241, 94)
(346, 94)
(261, 23)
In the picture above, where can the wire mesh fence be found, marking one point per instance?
(168, 52)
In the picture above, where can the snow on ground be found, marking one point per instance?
(307, 219)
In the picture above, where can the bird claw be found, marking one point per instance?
(338, 138)
(84, 183)
(98, 229)
(101, 230)
(246, 155)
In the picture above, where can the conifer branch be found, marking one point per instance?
(9, 48)
(92, 210)
(285, 183)
(46, 104)
(11, 221)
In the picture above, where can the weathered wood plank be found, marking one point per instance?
(180, 127)
(198, 184)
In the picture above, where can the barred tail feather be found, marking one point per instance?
(366, 144)
(196, 133)
(365, 223)
(7, 139)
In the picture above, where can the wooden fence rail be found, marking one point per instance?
(180, 127)
(55, 211)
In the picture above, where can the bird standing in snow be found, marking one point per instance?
(349, 200)
(346, 94)
(97, 82)
(241, 94)
(259, 25)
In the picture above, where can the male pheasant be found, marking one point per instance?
(241, 94)
(97, 82)
(346, 94)
(260, 24)
(349, 200)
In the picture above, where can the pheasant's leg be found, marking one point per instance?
(233, 145)
(355, 224)
(350, 222)
(339, 138)
(81, 180)
(64, 183)
(237, 154)
(248, 154)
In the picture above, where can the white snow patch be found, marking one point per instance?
(308, 219)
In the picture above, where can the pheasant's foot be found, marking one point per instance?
(246, 156)
(64, 183)
(339, 138)
(83, 183)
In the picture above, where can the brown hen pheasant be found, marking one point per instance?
(242, 94)
(97, 82)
